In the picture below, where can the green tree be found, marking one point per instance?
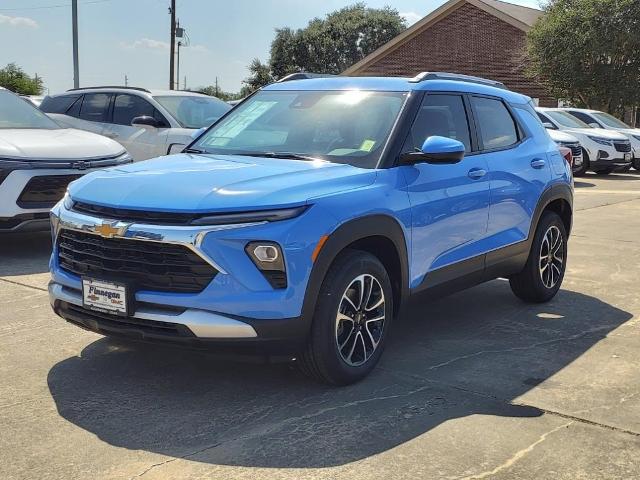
(212, 91)
(13, 78)
(327, 45)
(588, 52)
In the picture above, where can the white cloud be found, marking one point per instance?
(18, 21)
(158, 45)
(146, 43)
(411, 17)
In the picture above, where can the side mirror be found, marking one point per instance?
(594, 125)
(548, 125)
(144, 122)
(437, 150)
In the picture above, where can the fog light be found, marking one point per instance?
(267, 256)
(266, 253)
(602, 154)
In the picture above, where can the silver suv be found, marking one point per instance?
(148, 123)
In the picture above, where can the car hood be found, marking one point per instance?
(207, 183)
(559, 136)
(596, 132)
(55, 144)
(630, 131)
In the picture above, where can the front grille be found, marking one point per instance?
(622, 146)
(144, 265)
(136, 216)
(103, 321)
(44, 191)
(576, 149)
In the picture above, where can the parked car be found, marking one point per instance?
(563, 139)
(597, 119)
(35, 99)
(301, 223)
(148, 123)
(603, 150)
(38, 159)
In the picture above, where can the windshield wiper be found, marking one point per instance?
(284, 155)
(193, 150)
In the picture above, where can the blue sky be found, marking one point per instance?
(119, 37)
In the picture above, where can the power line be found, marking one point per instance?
(43, 7)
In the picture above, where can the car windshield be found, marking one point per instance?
(194, 111)
(17, 112)
(338, 126)
(566, 119)
(609, 120)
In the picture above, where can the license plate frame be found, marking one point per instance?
(106, 297)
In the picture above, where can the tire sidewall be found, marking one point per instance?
(548, 220)
(345, 269)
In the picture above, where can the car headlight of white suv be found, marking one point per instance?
(601, 141)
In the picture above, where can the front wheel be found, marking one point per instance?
(351, 320)
(543, 273)
(580, 171)
(636, 163)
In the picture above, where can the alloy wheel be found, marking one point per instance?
(551, 262)
(360, 320)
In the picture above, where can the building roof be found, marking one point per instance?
(518, 16)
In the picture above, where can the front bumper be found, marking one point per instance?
(192, 328)
(611, 163)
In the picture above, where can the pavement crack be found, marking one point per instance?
(23, 285)
(525, 347)
(517, 456)
(170, 460)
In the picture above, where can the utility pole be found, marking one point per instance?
(126, 80)
(216, 86)
(172, 11)
(74, 20)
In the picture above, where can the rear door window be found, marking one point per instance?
(95, 107)
(497, 127)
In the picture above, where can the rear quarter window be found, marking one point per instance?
(59, 104)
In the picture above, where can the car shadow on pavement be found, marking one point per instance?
(24, 253)
(475, 352)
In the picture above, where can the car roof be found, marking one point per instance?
(396, 84)
(583, 110)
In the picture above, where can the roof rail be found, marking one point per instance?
(457, 77)
(304, 76)
(110, 86)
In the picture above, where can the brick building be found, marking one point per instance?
(474, 37)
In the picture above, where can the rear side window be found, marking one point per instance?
(441, 115)
(496, 125)
(95, 107)
(128, 107)
(59, 104)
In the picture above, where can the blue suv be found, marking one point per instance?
(300, 223)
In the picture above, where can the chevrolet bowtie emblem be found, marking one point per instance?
(108, 230)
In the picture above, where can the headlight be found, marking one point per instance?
(124, 158)
(267, 256)
(67, 202)
(601, 141)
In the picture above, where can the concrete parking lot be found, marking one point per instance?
(475, 385)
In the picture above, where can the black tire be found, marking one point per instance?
(529, 285)
(585, 165)
(636, 163)
(322, 359)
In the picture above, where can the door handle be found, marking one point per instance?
(476, 173)
(538, 163)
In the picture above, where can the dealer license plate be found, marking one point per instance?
(103, 296)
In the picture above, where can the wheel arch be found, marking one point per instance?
(382, 236)
(559, 199)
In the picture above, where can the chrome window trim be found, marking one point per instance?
(188, 236)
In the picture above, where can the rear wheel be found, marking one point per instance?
(351, 320)
(543, 273)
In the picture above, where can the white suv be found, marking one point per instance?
(604, 120)
(603, 150)
(148, 123)
(38, 159)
